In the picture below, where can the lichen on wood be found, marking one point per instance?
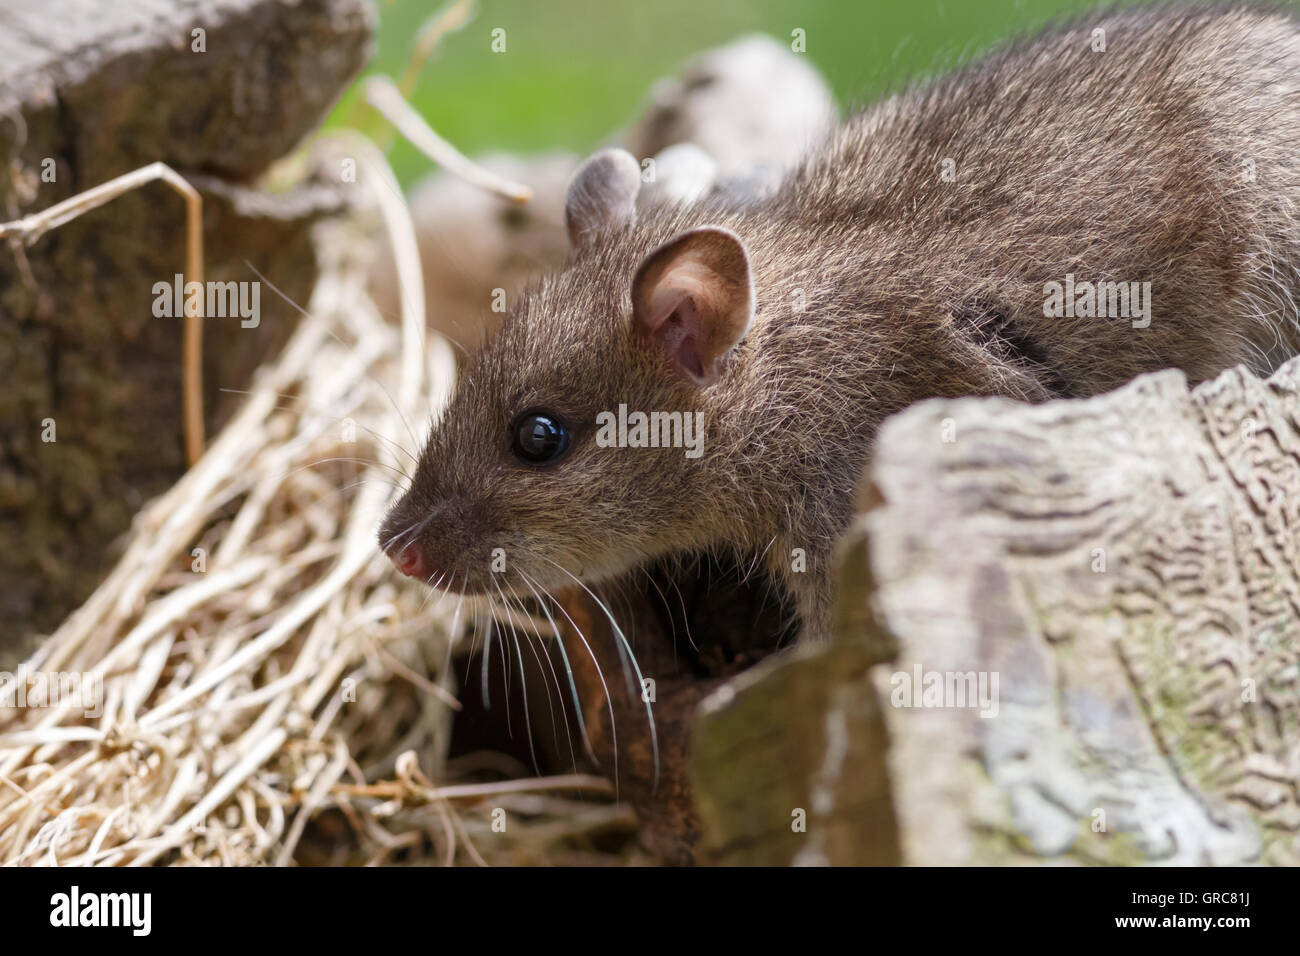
(1124, 568)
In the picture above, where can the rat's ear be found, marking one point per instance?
(693, 297)
(602, 194)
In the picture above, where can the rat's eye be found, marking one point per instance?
(539, 437)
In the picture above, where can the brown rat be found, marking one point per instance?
(913, 254)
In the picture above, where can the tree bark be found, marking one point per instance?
(88, 91)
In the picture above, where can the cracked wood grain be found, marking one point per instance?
(1126, 566)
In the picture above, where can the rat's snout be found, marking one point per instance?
(434, 543)
(410, 561)
(401, 540)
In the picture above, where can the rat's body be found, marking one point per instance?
(879, 275)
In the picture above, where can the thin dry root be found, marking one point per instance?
(30, 229)
(447, 20)
(385, 97)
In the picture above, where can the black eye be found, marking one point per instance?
(539, 437)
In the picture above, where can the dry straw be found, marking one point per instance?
(272, 692)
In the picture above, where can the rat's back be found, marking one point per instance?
(1157, 145)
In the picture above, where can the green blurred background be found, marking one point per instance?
(574, 71)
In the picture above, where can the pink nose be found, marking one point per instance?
(410, 562)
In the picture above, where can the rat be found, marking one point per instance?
(1111, 197)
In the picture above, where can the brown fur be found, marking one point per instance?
(1125, 165)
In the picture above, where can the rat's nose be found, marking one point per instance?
(410, 561)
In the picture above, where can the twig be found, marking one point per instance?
(576, 782)
(447, 20)
(384, 96)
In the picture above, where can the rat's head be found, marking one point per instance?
(539, 469)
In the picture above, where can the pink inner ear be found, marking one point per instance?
(682, 344)
(678, 332)
(693, 297)
(689, 356)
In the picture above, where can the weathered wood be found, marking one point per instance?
(107, 87)
(1126, 567)
(88, 91)
(789, 768)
